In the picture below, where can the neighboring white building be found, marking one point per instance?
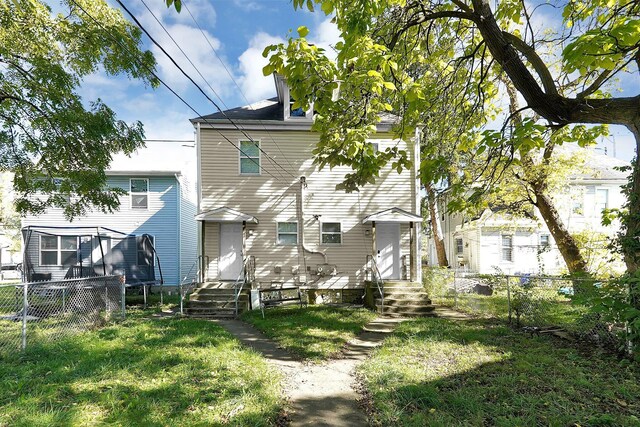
(497, 241)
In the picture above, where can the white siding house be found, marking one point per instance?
(496, 241)
(272, 206)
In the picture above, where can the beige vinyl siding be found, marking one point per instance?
(272, 199)
(212, 248)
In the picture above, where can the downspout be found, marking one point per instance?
(300, 218)
(179, 228)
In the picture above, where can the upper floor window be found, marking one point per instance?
(296, 112)
(544, 241)
(139, 190)
(507, 247)
(288, 233)
(58, 250)
(331, 233)
(602, 199)
(459, 247)
(249, 157)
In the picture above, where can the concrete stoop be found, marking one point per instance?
(215, 300)
(404, 299)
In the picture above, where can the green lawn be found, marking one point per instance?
(440, 372)
(140, 372)
(316, 332)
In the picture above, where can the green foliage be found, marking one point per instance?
(439, 372)
(57, 145)
(315, 333)
(146, 372)
(595, 247)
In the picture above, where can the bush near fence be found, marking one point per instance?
(533, 302)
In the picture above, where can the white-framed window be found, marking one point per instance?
(602, 199)
(375, 146)
(139, 193)
(287, 233)
(58, 250)
(507, 247)
(331, 233)
(249, 157)
(459, 247)
(296, 112)
(545, 241)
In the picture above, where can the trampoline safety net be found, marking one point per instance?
(57, 253)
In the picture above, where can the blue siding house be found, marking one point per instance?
(156, 217)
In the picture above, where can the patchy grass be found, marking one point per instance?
(140, 372)
(317, 332)
(440, 372)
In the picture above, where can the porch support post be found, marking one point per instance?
(412, 252)
(374, 252)
(203, 226)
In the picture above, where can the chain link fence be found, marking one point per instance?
(34, 312)
(536, 303)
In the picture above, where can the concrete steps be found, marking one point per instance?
(216, 300)
(404, 299)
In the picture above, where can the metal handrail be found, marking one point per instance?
(378, 281)
(184, 279)
(241, 280)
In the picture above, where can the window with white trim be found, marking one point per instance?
(459, 247)
(287, 233)
(296, 112)
(602, 199)
(249, 157)
(58, 250)
(507, 247)
(544, 241)
(331, 233)
(139, 193)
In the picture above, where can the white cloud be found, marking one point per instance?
(247, 5)
(326, 36)
(254, 84)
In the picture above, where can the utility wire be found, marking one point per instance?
(215, 52)
(171, 89)
(153, 40)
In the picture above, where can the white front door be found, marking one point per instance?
(388, 247)
(230, 264)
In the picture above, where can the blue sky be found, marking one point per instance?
(238, 30)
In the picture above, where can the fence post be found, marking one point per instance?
(509, 297)
(122, 298)
(455, 291)
(161, 293)
(25, 311)
(181, 301)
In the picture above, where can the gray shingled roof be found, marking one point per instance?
(268, 109)
(265, 110)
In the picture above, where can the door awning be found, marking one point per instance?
(392, 215)
(225, 214)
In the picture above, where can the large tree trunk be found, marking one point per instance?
(566, 243)
(435, 227)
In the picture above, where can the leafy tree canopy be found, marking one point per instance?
(57, 146)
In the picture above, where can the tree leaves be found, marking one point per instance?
(57, 145)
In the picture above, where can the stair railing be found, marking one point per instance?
(183, 291)
(376, 278)
(241, 281)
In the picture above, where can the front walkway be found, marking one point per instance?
(319, 395)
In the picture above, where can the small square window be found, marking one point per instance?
(249, 157)
(459, 247)
(139, 191)
(544, 241)
(331, 233)
(287, 233)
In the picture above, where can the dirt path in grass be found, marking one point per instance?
(323, 394)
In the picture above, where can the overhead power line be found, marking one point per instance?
(215, 52)
(170, 88)
(184, 73)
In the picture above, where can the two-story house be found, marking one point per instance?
(151, 235)
(264, 204)
(497, 241)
